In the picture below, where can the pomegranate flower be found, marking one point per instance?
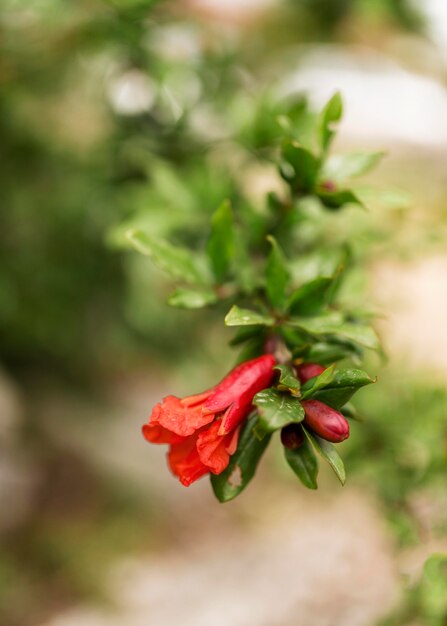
(325, 421)
(202, 430)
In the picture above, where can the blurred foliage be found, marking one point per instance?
(104, 126)
(425, 601)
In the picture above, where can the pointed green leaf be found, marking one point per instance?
(341, 167)
(342, 387)
(243, 463)
(246, 333)
(221, 244)
(329, 453)
(192, 298)
(331, 114)
(277, 275)
(304, 463)
(277, 409)
(333, 324)
(311, 297)
(314, 384)
(288, 380)
(301, 167)
(176, 261)
(246, 317)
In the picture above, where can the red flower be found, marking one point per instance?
(325, 421)
(203, 430)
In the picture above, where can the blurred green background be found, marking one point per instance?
(136, 112)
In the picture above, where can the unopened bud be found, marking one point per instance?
(292, 436)
(325, 421)
(306, 371)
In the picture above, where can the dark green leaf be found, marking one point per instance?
(176, 261)
(342, 387)
(246, 333)
(288, 380)
(329, 453)
(243, 463)
(304, 463)
(341, 167)
(311, 297)
(331, 114)
(314, 384)
(301, 167)
(246, 317)
(277, 275)
(277, 409)
(337, 199)
(221, 245)
(192, 298)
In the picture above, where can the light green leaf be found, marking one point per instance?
(323, 380)
(221, 243)
(329, 453)
(192, 298)
(304, 463)
(243, 463)
(277, 275)
(246, 317)
(176, 261)
(277, 409)
(288, 380)
(333, 324)
(331, 114)
(340, 167)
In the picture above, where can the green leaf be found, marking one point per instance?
(176, 261)
(288, 380)
(329, 453)
(323, 380)
(301, 168)
(331, 114)
(246, 317)
(277, 409)
(340, 167)
(277, 275)
(323, 353)
(192, 298)
(246, 333)
(243, 463)
(304, 463)
(333, 324)
(342, 387)
(221, 243)
(311, 297)
(337, 199)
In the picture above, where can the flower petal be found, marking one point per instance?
(185, 463)
(255, 374)
(211, 448)
(173, 415)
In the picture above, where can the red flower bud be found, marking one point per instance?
(306, 371)
(292, 436)
(325, 421)
(203, 430)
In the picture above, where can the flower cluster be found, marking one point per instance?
(203, 430)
